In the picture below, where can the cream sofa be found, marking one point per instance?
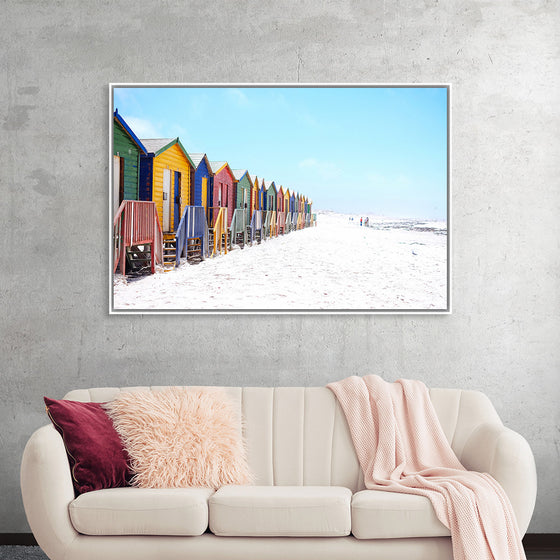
(308, 499)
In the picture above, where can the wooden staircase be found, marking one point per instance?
(194, 250)
(223, 247)
(138, 260)
(192, 235)
(169, 251)
(137, 237)
(218, 234)
(239, 239)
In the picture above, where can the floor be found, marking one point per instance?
(22, 553)
(542, 551)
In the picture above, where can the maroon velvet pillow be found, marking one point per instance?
(97, 456)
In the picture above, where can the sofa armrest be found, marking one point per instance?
(504, 454)
(47, 490)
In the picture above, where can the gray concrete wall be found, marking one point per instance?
(503, 338)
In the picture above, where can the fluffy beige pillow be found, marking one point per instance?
(181, 437)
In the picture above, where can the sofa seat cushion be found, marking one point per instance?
(390, 515)
(142, 511)
(280, 511)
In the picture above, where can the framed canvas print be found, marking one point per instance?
(279, 198)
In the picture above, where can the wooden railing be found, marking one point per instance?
(256, 224)
(270, 224)
(219, 225)
(136, 223)
(193, 225)
(288, 222)
(266, 224)
(212, 214)
(238, 225)
(281, 223)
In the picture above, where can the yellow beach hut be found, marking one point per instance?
(166, 177)
(255, 196)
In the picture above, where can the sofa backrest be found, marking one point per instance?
(299, 435)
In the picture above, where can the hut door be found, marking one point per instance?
(204, 191)
(118, 183)
(177, 207)
(166, 198)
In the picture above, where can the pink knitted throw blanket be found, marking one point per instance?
(401, 447)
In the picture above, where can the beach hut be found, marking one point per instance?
(243, 186)
(255, 196)
(288, 225)
(165, 177)
(301, 216)
(127, 148)
(287, 200)
(223, 191)
(293, 207)
(280, 200)
(280, 214)
(242, 214)
(270, 194)
(203, 183)
(262, 205)
(255, 220)
(262, 196)
(191, 236)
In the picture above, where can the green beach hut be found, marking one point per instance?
(126, 161)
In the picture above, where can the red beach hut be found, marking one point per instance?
(224, 192)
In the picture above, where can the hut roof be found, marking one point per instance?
(217, 165)
(128, 130)
(153, 145)
(269, 184)
(238, 174)
(197, 158)
(157, 146)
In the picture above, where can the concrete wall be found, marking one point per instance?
(504, 334)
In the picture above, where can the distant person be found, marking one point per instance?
(360, 222)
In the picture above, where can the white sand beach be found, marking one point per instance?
(337, 265)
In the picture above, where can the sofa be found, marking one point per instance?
(307, 499)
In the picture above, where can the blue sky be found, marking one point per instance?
(377, 151)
